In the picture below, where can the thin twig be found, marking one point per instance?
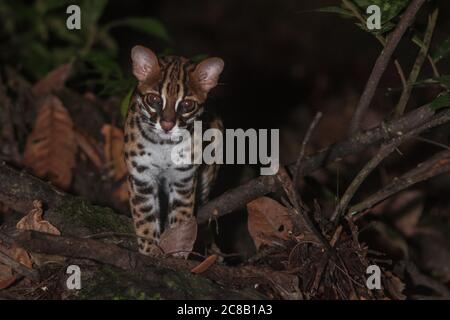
(438, 164)
(384, 151)
(382, 63)
(239, 196)
(18, 267)
(404, 98)
(354, 9)
(432, 142)
(299, 163)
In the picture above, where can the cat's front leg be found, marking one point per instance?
(181, 191)
(145, 210)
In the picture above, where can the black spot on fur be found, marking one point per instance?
(187, 168)
(141, 168)
(138, 183)
(146, 190)
(138, 199)
(146, 209)
(178, 203)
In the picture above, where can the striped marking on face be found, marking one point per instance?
(174, 89)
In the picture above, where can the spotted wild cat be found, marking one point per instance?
(170, 96)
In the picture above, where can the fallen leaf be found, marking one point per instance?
(121, 192)
(205, 264)
(113, 149)
(20, 255)
(286, 285)
(267, 219)
(34, 221)
(88, 147)
(180, 239)
(394, 286)
(6, 277)
(51, 147)
(410, 205)
(54, 80)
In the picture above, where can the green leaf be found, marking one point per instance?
(415, 39)
(125, 103)
(91, 11)
(442, 51)
(104, 38)
(48, 5)
(389, 8)
(335, 9)
(59, 29)
(146, 25)
(445, 80)
(105, 65)
(199, 57)
(441, 101)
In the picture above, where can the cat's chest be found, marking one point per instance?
(158, 153)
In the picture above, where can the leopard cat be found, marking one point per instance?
(170, 95)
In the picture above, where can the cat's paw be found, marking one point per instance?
(149, 249)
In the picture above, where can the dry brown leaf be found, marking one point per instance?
(267, 219)
(88, 147)
(114, 144)
(121, 193)
(205, 264)
(411, 204)
(34, 221)
(51, 147)
(394, 286)
(20, 255)
(287, 285)
(54, 80)
(180, 240)
(6, 277)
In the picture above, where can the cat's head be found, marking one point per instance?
(171, 90)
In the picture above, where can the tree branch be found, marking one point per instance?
(382, 63)
(384, 151)
(238, 197)
(18, 190)
(406, 93)
(438, 164)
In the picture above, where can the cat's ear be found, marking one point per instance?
(145, 63)
(206, 73)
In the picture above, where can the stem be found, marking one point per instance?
(404, 98)
(382, 63)
(438, 164)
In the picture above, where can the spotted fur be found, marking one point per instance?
(170, 96)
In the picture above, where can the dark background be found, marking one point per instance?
(284, 62)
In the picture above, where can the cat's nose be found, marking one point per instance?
(167, 125)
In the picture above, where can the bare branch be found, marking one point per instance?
(406, 93)
(384, 151)
(299, 164)
(438, 164)
(238, 197)
(382, 63)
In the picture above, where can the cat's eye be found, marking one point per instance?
(187, 105)
(153, 100)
